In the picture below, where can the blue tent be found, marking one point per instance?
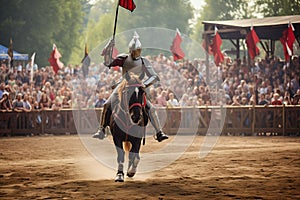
(17, 56)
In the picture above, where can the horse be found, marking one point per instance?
(128, 124)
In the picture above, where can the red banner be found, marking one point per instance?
(128, 4)
(176, 49)
(287, 40)
(54, 60)
(251, 41)
(215, 48)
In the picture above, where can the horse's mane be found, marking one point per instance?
(134, 79)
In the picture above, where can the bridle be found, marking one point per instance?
(136, 104)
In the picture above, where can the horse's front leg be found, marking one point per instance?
(134, 156)
(120, 159)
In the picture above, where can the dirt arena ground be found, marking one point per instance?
(60, 167)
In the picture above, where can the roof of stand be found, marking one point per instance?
(270, 28)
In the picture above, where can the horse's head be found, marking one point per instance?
(133, 97)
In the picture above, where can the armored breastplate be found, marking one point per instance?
(135, 66)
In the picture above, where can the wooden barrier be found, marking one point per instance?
(213, 120)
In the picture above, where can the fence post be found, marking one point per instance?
(283, 120)
(253, 119)
(43, 121)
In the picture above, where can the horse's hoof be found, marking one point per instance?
(131, 172)
(130, 175)
(119, 177)
(160, 136)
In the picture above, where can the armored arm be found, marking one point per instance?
(152, 75)
(118, 61)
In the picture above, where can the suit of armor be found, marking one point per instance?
(140, 66)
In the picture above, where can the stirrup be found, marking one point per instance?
(100, 134)
(160, 136)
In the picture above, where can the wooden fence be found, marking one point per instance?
(227, 120)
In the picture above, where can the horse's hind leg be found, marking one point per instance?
(134, 157)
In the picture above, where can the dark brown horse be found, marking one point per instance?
(128, 124)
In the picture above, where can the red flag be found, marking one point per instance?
(251, 41)
(287, 40)
(215, 48)
(128, 4)
(54, 59)
(175, 48)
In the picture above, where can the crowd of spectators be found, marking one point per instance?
(264, 82)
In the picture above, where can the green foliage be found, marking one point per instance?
(148, 13)
(270, 8)
(159, 13)
(226, 10)
(35, 25)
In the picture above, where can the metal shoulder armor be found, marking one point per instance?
(119, 60)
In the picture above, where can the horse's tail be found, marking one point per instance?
(127, 145)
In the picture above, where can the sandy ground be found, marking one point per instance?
(60, 167)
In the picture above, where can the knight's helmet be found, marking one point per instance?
(135, 46)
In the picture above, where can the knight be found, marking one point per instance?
(132, 62)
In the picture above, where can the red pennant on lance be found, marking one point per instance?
(215, 48)
(251, 41)
(54, 59)
(175, 48)
(127, 4)
(287, 40)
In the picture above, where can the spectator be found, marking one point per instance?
(296, 97)
(100, 101)
(172, 102)
(65, 103)
(276, 100)
(262, 100)
(27, 104)
(18, 104)
(184, 101)
(161, 99)
(5, 103)
(45, 102)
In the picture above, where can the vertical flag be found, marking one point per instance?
(54, 59)
(175, 48)
(127, 4)
(287, 40)
(86, 61)
(251, 41)
(215, 48)
(10, 52)
(31, 67)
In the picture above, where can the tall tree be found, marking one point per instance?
(35, 25)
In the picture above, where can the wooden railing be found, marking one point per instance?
(227, 120)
